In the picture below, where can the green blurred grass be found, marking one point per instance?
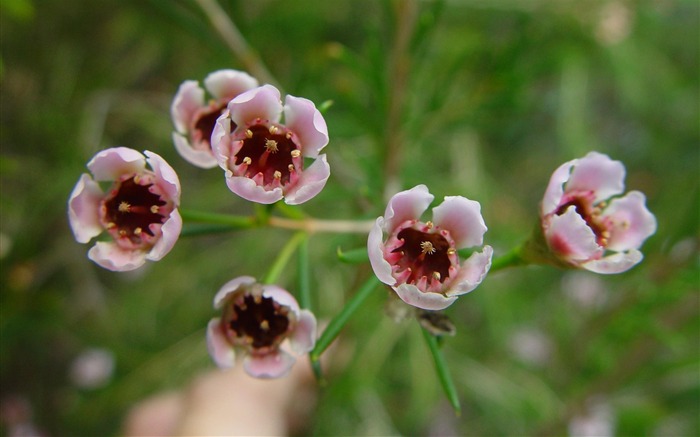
(500, 94)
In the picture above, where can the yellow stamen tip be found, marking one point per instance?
(277, 174)
(427, 247)
(436, 276)
(137, 231)
(271, 146)
(155, 209)
(429, 224)
(249, 133)
(124, 207)
(296, 153)
(247, 160)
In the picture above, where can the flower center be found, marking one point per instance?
(204, 126)
(259, 321)
(591, 214)
(269, 152)
(129, 211)
(425, 255)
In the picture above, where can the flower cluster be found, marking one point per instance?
(270, 150)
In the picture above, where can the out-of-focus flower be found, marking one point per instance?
(256, 319)
(583, 227)
(419, 260)
(194, 118)
(264, 159)
(139, 211)
(93, 368)
(598, 420)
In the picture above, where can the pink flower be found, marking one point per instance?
(583, 227)
(419, 260)
(139, 211)
(264, 159)
(194, 118)
(256, 320)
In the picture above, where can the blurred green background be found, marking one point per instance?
(493, 96)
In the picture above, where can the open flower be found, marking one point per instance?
(419, 260)
(264, 159)
(139, 211)
(194, 118)
(256, 319)
(583, 227)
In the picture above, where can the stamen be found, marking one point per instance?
(247, 160)
(265, 325)
(271, 146)
(155, 209)
(288, 135)
(296, 153)
(427, 247)
(451, 251)
(124, 207)
(111, 225)
(137, 231)
(436, 276)
(249, 133)
(277, 174)
(273, 130)
(257, 299)
(429, 224)
(290, 167)
(122, 232)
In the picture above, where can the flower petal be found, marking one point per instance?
(375, 245)
(406, 205)
(555, 189)
(221, 140)
(188, 99)
(570, 237)
(200, 158)
(231, 287)
(262, 102)
(281, 296)
(310, 183)
(272, 365)
(112, 257)
(170, 233)
(249, 190)
(218, 345)
(632, 222)
(166, 178)
(303, 338)
(410, 294)
(472, 272)
(616, 263)
(110, 164)
(229, 83)
(83, 209)
(597, 173)
(302, 117)
(462, 218)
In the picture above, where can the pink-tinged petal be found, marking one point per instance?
(281, 296)
(112, 257)
(188, 99)
(166, 178)
(170, 233)
(262, 102)
(249, 190)
(406, 205)
(272, 365)
(303, 338)
(381, 267)
(632, 222)
(570, 237)
(221, 140)
(462, 218)
(302, 117)
(229, 83)
(615, 263)
(231, 287)
(200, 158)
(83, 209)
(310, 183)
(410, 294)
(109, 164)
(218, 345)
(555, 189)
(472, 272)
(598, 173)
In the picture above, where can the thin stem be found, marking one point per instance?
(236, 42)
(311, 225)
(512, 258)
(442, 371)
(303, 271)
(234, 221)
(283, 258)
(336, 325)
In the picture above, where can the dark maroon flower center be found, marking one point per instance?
(426, 254)
(259, 320)
(131, 209)
(206, 123)
(269, 151)
(591, 214)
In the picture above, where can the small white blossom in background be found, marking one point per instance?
(531, 346)
(92, 369)
(597, 420)
(587, 290)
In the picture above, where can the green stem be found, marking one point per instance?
(303, 272)
(336, 325)
(283, 258)
(442, 371)
(512, 258)
(232, 221)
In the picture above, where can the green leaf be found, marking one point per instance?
(442, 371)
(354, 256)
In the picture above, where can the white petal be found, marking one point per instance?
(302, 117)
(462, 218)
(406, 205)
(410, 294)
(632, 223)
(84, 209)
(375, 245)
(249, 190)
(200, 158)
(472, 271)
(170, 233)
(272, 365)
(281, 296)
(218, 345)
(570, 237)
(555, 189)
(310, 183)
(598, 173)
(166, 178)
(110, 164)
(262, 102)
(616, 263)
(231, 287)
(227, 84)
(188, 100)
(112, 257)
(304, 336)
